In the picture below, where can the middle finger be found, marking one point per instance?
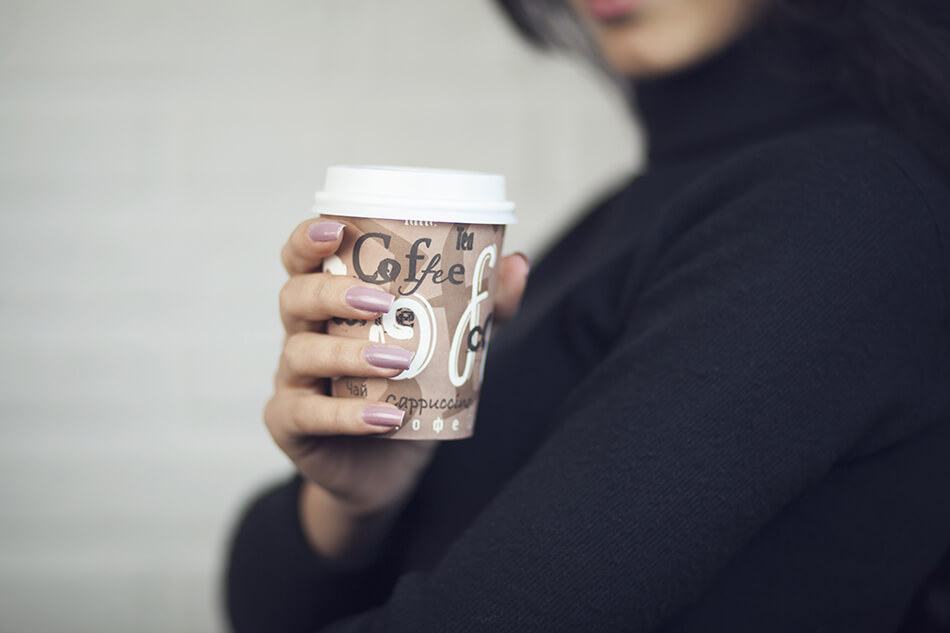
(320, 296)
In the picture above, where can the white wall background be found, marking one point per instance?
(154, 154)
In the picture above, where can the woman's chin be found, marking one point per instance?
(637, 65)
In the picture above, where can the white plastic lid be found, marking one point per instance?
(407, 193)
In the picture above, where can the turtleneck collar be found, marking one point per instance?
(761, 85)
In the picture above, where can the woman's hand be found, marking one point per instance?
(355, 482)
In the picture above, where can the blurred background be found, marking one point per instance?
(154, 155)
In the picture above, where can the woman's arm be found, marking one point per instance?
(770, 340)
(276, 581)
(305, 554)
(336, 532)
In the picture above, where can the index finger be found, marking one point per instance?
(309, 244)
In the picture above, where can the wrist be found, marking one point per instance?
(345, 535)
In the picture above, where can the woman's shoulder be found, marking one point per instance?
(851, 194)
(850, 159)
(848, 178)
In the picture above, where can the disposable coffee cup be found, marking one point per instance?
(432, 238)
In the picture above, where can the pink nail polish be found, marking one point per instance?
(382, 416)
(369, 299)
(325, 231)
(388, 357)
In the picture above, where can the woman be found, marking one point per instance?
(724, 404)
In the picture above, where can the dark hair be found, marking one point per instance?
(891, 56)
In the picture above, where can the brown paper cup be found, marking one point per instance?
(444, 277)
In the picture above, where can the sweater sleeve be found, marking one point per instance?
(275, 582)
(777, 329)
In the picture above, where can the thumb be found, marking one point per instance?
(512, 277)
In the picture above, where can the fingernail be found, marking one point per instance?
(525, 258)
(369, 299)
(388, 357)
(382, 416)
(325, 231)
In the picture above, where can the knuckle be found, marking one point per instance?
(271, 415)
(326, 292)
(299, 354)
(298, 238)
(285, 257)
(294, 353)
(337, 352)
(299, 419)
(340, 414)
(285, 296)
(294, 252)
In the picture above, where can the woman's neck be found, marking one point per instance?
(762, 85)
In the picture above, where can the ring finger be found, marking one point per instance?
(308, 355)
(320, 296)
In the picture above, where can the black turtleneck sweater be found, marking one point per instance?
(724, 405)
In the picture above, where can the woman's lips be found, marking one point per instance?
(611, 9)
